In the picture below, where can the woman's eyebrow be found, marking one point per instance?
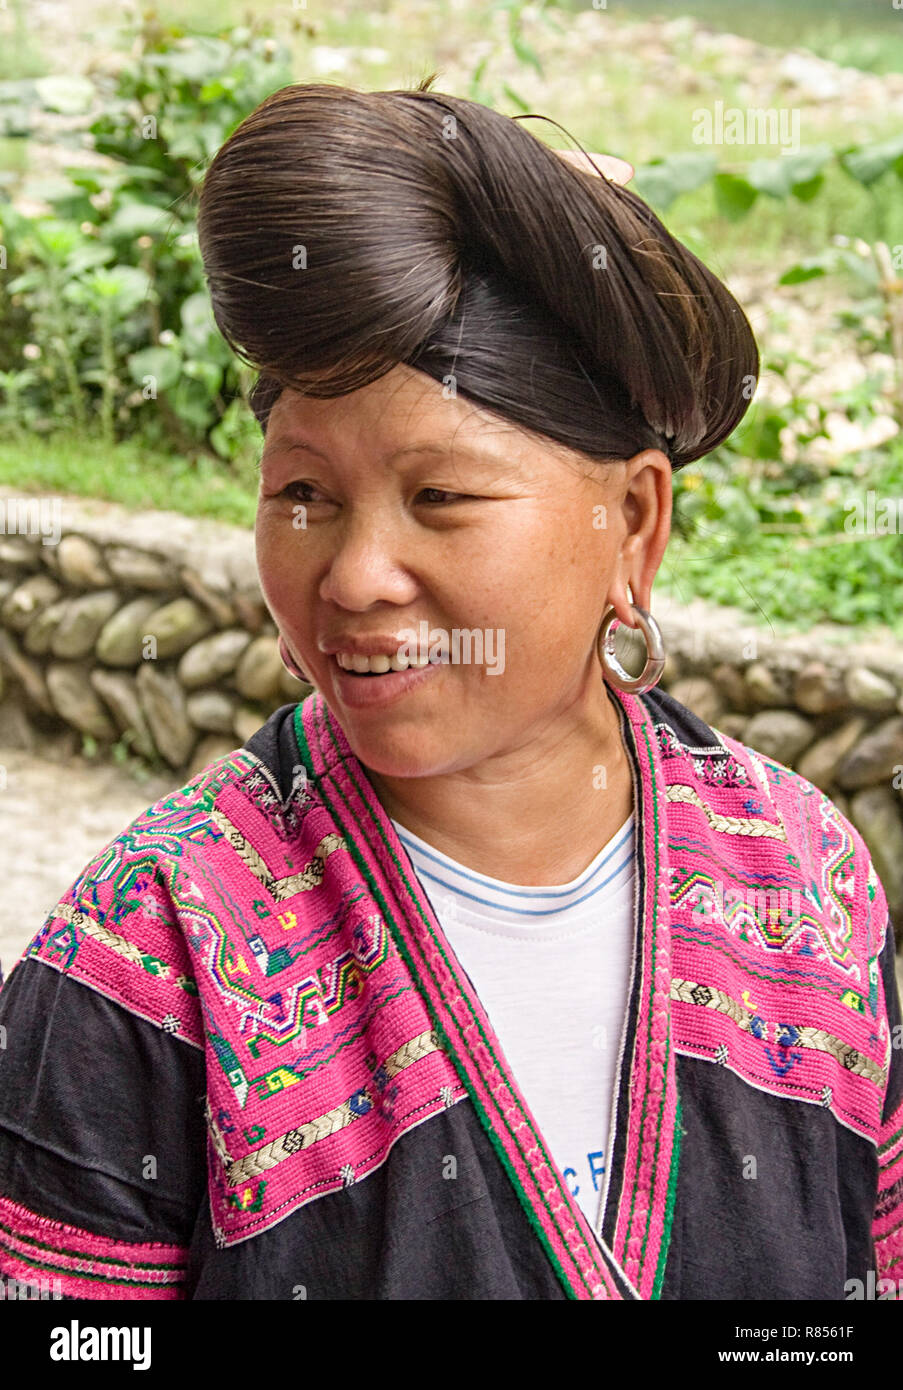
(288, 444)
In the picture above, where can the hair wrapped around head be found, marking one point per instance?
(345, 232)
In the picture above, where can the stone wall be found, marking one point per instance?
(145, 626)
(152, 628)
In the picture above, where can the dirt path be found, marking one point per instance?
(54, 819)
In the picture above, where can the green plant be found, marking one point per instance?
(109, 287)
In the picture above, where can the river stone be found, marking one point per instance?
(119, 692)
(781, 734)
(876, 815)
(250, 610)
(869, 690)
(19, 553)
(732, 686)
(177, 626)
(137, 569)
(219, 608)
(76, 701)
(121, 638)
(763, 686)
(210, 748)
(82, 621)
(80, 563)
(258, 671)
(212, 658)
(28, 600)
(163, 703)
(212, 710)
(875, 757)
(27, 672)
(247, 721)
(819, 763)
(700, 696)
(39, 633)
(18, 730)
(819, 688)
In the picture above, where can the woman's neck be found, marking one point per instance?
(541, 823)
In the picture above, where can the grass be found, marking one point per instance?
(131, 474)
(787, 588)
(866, 34)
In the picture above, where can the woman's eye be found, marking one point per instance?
(301, 492)
(441, 493)
(291, 489)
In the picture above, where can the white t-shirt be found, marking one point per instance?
(551, 966)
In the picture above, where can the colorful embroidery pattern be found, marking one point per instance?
(887, 1230)
(249, 932)
(87, 1266)
(775, 973)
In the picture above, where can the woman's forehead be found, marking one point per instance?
(399, 409)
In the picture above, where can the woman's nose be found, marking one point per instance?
(368, 566)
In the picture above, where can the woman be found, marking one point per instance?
(482, 972)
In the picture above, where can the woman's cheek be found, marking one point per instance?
(277, 563)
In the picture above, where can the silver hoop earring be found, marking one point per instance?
(613, 671)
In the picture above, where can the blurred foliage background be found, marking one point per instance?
(114, 382)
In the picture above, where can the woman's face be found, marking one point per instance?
(477, 528)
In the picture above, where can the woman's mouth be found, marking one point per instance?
(361, 689)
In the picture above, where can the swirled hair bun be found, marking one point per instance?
(345, 232)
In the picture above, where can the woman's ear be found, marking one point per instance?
(617, 170)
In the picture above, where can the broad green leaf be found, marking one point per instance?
(57, 238)
(734, 196)
(788, 173)
(808, 190)
(199, 60)
(197, 318)
(662, 180)
(808, 163)
(123, 287)
(164, 364)
(88, 257)
(805, 270)
(69, 93)
(771, 176)
(208, 373)
(138, 219)
(867, 163)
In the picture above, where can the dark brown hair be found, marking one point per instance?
(345, 232)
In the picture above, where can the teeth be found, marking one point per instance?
(379, 664)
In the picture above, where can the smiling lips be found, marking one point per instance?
(376, 655)
(378, 664)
